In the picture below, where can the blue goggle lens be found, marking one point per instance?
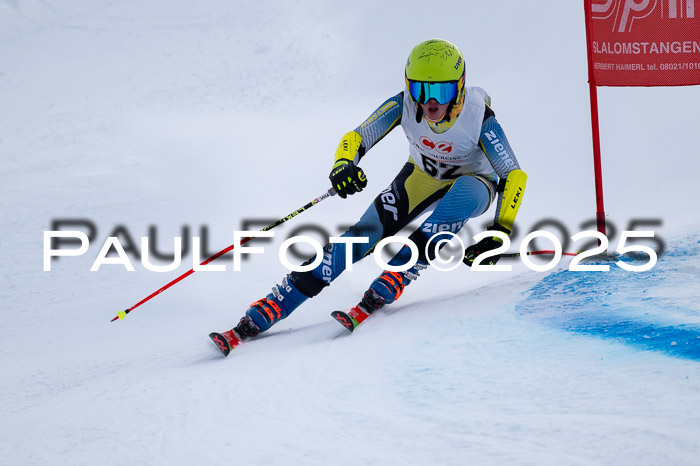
(422, 92)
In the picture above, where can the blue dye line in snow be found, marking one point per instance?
(621, 306)
(675, 340)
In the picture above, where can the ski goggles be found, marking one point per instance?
(422, 92)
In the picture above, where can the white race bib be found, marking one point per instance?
(455, 152)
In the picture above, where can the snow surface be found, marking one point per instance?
(174, 113)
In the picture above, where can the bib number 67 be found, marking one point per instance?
(439, 170)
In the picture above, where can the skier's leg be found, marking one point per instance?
(411, 192)
(469, 197)
(297, 287)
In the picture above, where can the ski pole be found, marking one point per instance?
(537, 253)
(122, 314)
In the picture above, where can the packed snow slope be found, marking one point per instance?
(174, 118)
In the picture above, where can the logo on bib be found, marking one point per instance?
(427, 142)
(442, 147)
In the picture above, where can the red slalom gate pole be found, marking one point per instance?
(597, 165)
(122, 314)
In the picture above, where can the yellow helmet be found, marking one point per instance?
(435, 69)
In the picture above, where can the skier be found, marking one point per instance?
(459, 162)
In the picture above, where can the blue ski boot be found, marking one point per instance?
(265, 312)
(389, 286)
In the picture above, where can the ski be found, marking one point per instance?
(352, 318)
(225, 341)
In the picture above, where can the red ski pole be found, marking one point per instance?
(122, 314)
(537, 253)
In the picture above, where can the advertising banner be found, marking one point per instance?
(644, 42)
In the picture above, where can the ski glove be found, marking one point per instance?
(347, 178)
(486, 244)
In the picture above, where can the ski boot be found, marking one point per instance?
(389, 286)
(260, 316)
(228, 340)
(384, 290)
(265, 312)
(246, 328)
